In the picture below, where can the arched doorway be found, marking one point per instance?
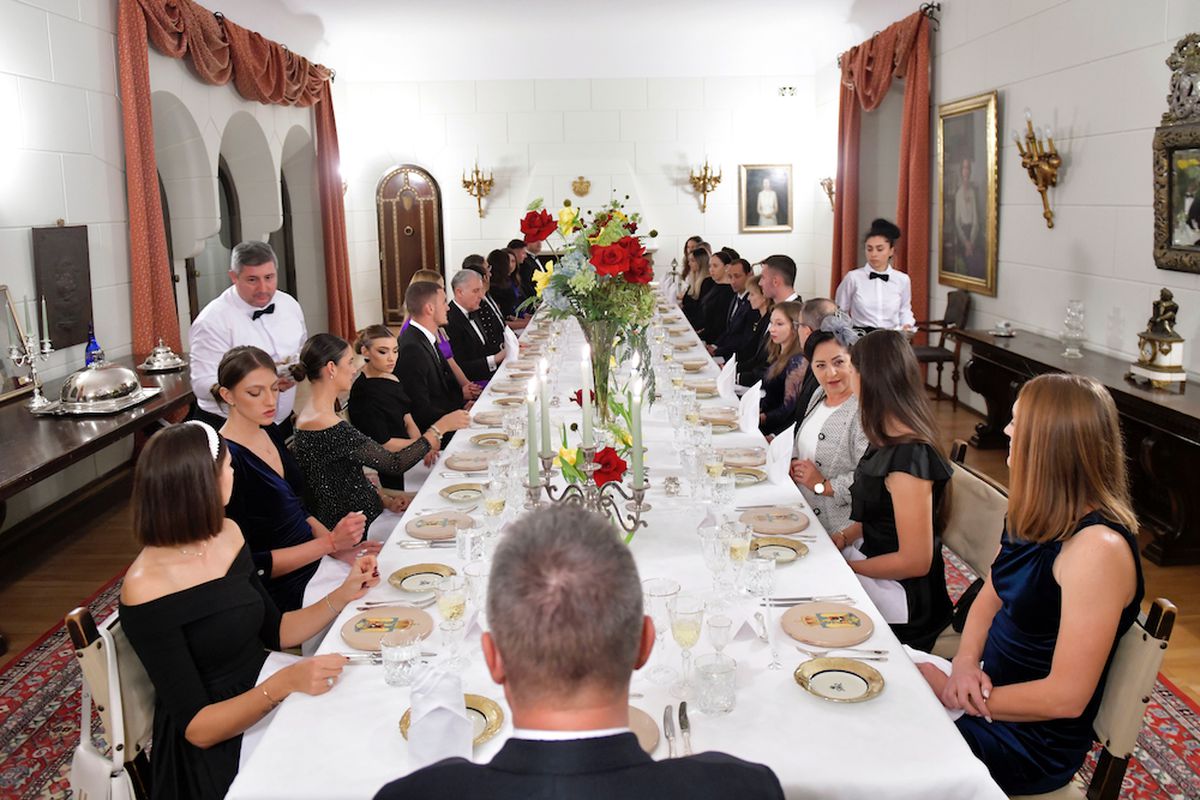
(409, 204)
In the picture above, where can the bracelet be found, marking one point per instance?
(268, 696)
(436, 432)
(331, 608)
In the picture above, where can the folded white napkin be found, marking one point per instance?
(748, 409)
(919, 657)
(727, 380)
(439, 727)
(779, 457)
(667, 287)
(512, 350)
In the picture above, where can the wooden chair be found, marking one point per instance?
(1127, 693)
(958, 305)
(121, 691)
(973, 527)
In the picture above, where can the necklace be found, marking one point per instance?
(197, 553)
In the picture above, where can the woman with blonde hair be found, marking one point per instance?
(785, 367)
(699, 283)
(470, 390)
(1063, 590)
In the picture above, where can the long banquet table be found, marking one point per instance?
(901, 744)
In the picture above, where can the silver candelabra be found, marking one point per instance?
(601, 499)
(28, 354)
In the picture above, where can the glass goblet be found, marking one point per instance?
(760, 580)
(453, 632)
(720, 631)
(687, 618)
(657, 592)
(452, 597)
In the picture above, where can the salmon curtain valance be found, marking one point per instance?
(217, 51)
(900, 51)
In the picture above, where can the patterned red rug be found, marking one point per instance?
(39, 719)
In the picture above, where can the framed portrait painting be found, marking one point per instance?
(968, 193)
(765, 198)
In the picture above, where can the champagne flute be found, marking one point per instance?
(656, 593)
(687, 618)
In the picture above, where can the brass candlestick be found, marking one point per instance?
(705, 182)
(478, 186)
(827, 185)
(1040, 160)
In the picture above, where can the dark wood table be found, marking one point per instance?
(35, 448)
(1162, 430)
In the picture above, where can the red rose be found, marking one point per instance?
(612, 466)
(610, 259)
(639, 271)
(577, 398)
(631, 245)
(537, 226)
(632, 227)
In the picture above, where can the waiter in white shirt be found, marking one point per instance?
(877, 296)
(250, 312)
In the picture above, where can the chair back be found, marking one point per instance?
(975, 521)
(958, 306)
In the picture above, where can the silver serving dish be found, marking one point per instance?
(162, 359)
(99, 388)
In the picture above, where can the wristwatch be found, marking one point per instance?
(819, 488)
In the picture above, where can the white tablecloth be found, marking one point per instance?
(347, 743)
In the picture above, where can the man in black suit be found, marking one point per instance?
(489, 316)
(421, 367)
(812, 315)
(739, 327)
(567, 629)
(476, 353)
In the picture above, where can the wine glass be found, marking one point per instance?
(675, 372)
(452, 597)
(515, 423)
(477, 573)
(760, 580)
(657, 592)
(714, 546)
(453, 631)
(687, 618)
(720, 631)
(495, 498)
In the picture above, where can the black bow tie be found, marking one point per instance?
(268, 310)
(883, 276)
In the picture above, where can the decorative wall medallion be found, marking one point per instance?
(581, 186)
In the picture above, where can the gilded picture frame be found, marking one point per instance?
(14, 380)
(969, 194)
(763, 188)
(1177, 198)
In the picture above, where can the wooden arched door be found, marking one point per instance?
(409, 204)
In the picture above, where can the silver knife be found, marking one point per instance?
(685, 729)
(669, 729)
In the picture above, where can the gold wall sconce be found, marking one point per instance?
(478, 185)
(1040, 159)
(827, 185)
(707, 181)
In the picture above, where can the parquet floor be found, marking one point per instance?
(70, 558)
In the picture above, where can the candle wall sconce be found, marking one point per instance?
(827, 185)
(1040, 159)
(704, 183)
(478, 185)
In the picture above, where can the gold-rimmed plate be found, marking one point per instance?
(828, 625)
(509, 402)
(469, 461)
(723, 427)
(363, 631)
(841, 680)
(490, 440)
(463, 492)
(420, 579)
(775, 520)
(520, 374)
(510, 388)
(743, 456)
(644, 728)
(489, 419)
(435, 527)
(694, 364)
(719, 414)
(485, 714)
(745, 476)
(784, 551)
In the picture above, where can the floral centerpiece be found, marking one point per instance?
(601, 276)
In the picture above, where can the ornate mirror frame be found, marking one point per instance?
(1180, 131)
(14, 380)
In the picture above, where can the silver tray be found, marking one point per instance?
(100, 407)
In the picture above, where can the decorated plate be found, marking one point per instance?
(745, 476)
(420, 579)
(463, 492)
(485, 715)
(842, 680)
(490, 419)
(432, 527)
(724, 427)
(775, 521)
(509, 402)
(784, 551)
(694, 364)
(744, 456)
(644, 728)
(828, 625)
(510, 388)
(720, 414)
(468, 462)
(520, 374)
(363, 631)
(490, 440)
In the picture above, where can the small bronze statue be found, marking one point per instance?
(1160, 349)
(1162, 322)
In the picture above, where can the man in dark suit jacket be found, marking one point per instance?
(476, 353)
(568, 683)
(739, 326)
(812, 315)
(421, 367)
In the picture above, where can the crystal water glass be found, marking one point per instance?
(453, 632)
(1073, 332)
(668, 353)
(720, 631)
(687, 619)
(469, 543)
(722, 490)
(716, 676)
(400, 652)
(714, 546)
(656, 594)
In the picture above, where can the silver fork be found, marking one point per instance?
(860, 655)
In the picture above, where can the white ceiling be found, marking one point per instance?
(397, 40)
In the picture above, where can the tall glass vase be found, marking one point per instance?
(601, 337)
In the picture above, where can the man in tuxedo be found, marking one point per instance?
(567, 629)
(421, 368)
(739, 326)
(490, 317)
(476, 353)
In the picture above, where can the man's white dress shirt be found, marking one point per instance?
(877, 303)
(227, 322)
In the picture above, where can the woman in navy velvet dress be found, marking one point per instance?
(1065, 586)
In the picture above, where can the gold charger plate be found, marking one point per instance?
(520, 374)
(644, 728)
(841, 680)
(444, 525)
(509, 402)
(775, 521)
(468, 462)
(746, 476)
(462, 492)
(694, 364)
(723, 427)
(510, 388)
(485, 714)
(720, 414)
(743, 456)
(492, 439)
(363, 631)
(491, 419)
(419, 578)
(784, 551)
(829, 625)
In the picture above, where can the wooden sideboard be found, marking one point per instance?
(1162, 430)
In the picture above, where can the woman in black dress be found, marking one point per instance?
(332, 452)
(698, 285)
(503, 285)
(785, 371)
(379, 406)
(201, 622)
(894, 541)
(286, 543)
(715, 304)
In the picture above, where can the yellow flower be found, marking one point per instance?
(566, 456)
(541, 278)
(620, 216)
(627, 438)
(567, 217)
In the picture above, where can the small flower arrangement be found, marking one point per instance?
(610, 465)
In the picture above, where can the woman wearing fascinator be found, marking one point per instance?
(830, 440)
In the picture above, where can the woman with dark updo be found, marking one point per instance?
(876, 295)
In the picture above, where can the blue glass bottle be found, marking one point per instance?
(93, 347)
